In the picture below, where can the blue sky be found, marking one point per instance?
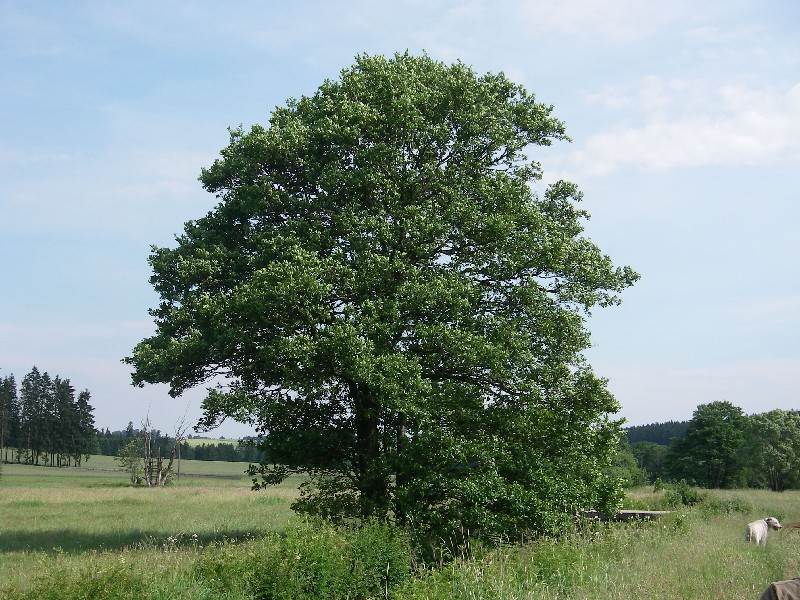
(684, 116)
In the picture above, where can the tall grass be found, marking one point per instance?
(695, 552)
(308, 561)
(82, 539)
(55, 518)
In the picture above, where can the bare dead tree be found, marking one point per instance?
(156, 474)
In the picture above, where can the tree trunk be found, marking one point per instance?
(400, 479)
(372, 483)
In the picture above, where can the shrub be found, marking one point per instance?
(718, 506)
(312, 560)
(682, 494)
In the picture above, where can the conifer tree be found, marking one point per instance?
(9, 415)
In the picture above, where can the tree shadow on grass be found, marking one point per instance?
(71, 541)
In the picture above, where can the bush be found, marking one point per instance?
(312, 560)
(717, 506)
(682, 494)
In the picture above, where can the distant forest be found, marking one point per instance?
(720, 447)
(44, 422)
(110, 442)
(657, 433)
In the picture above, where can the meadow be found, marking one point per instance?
(199, 441)
(64, 516)
(86, 533)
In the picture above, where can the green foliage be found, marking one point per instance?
(735, 505)
(47, 423)
(668, 496)
(682, 494)
(724, 448)
(772, 449)
(314, 561)
(657, 433)
(650, 457)
(131, 458)
(310, 560)
(114, 581)
(395, 308)
(564, 567)
(686, 554)
(671, 496)
(711, 453)
(625, 467)
(9, 416)
(330, 496)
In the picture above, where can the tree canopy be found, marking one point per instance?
(384, 295)
(710, 454)
(772, 449)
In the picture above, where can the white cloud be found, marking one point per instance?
(687, 124)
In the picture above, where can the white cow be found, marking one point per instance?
(757, 530)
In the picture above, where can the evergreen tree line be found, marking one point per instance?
(111, 442)
(658, 433)
(44, 422)
(720, 448)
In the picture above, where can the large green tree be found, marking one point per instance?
(388, 300)
(710, 454)
(772, 449)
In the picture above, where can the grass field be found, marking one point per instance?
(106, 470)
(67, 513)
(79, 525)
(208, 441)
(695, 553)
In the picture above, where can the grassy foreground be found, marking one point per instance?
(72, 533)
(55, 518)
(695, 553)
